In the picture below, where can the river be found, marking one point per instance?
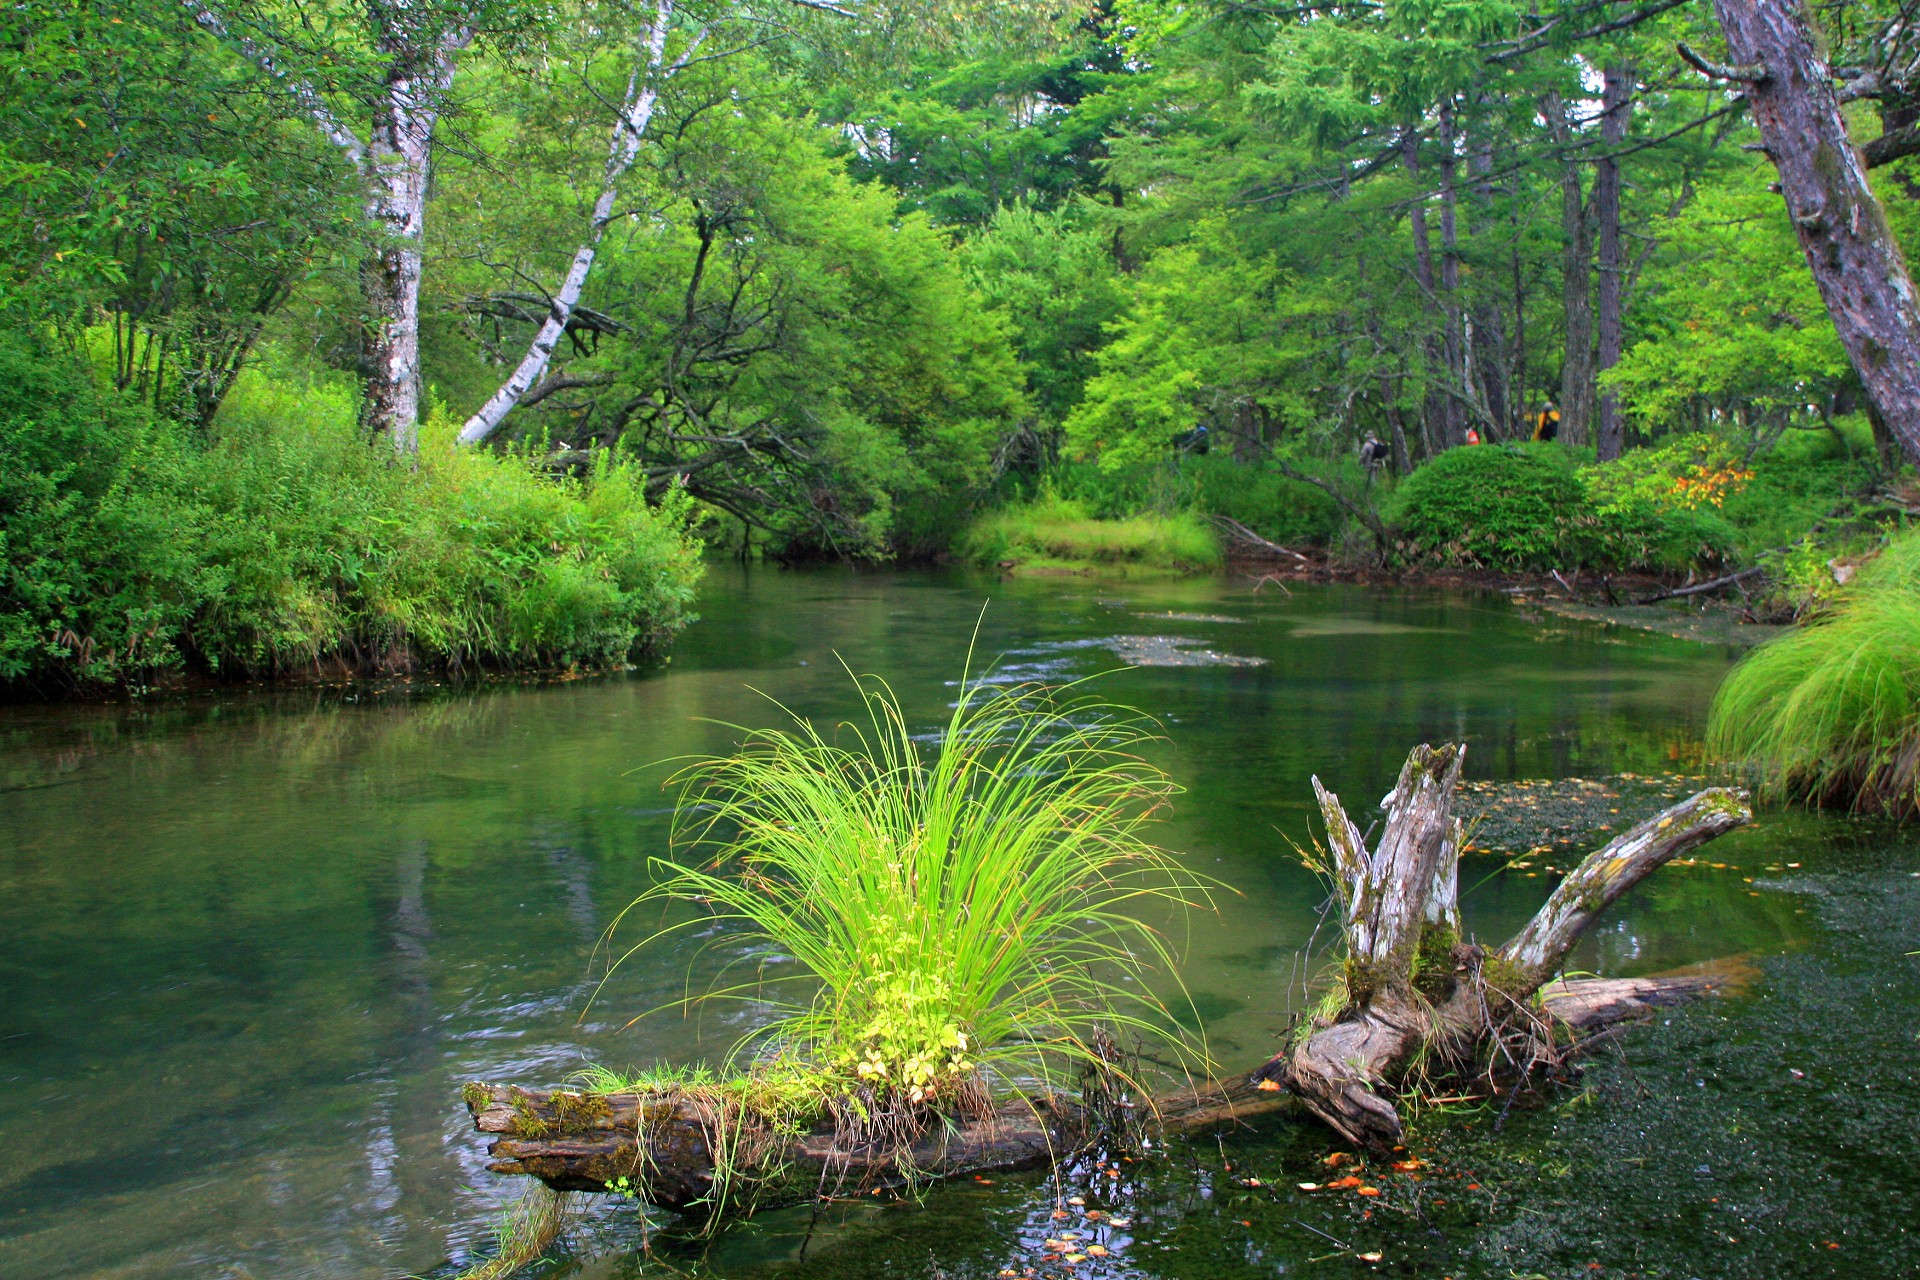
(251, 943)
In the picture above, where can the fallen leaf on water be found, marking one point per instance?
(1097, 1250)
(1308, 1186)
(1060, 1213)
(1075, 1258)
(1372, 1257)
(1473, 1186)
(1337, 1158)
(1076, 1200)
(1252, 1182)
(1122, 1223)
(1268, 1086)
(1369, 1191)
(1244, 1222)
(1341, 1184)
(1408, 1166)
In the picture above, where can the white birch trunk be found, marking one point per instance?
(636, 111)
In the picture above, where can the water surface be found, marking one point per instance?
(251, 944)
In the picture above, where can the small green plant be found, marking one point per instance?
(959, 916)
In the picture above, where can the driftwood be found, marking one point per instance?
(1415, 990)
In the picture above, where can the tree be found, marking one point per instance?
(1843, 231)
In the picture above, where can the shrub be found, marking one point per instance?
(1497, 507)
(1830, 712)
(128, 545)
(1511, 507)
(102, 562)
(1055, 533)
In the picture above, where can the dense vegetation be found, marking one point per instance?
(1044, 285)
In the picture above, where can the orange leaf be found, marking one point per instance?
(1369, 1191)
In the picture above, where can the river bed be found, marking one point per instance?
(252, 943)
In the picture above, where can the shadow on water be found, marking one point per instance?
(252, 944)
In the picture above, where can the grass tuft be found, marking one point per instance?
(1830, 712)
(958, 916)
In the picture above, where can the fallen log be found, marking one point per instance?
(1414, 991)
(583, 1142)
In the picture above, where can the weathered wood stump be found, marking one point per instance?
(1415, 990)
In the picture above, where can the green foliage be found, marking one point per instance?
(1524, 507)
(1830, 712)
(1492, 507)
(1256, 494)
(955, 916)
(285, 541)
(1053, 534)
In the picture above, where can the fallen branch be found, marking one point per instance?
(1700, 588)
(1248, 536)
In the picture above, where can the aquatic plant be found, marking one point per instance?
(957, 914)
(1830, 712)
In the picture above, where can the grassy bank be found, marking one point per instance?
(1057, 535)
(1830, 712)
(132, 547)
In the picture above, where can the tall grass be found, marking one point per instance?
(959, 914)
(1830, 712)
(1056, 533)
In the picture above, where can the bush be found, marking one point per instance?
(129, 545)
(1830, 712)
(1055, 533)
(1513, 507)
(1497, 507)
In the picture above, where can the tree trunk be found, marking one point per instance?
(1617, 105)
(1433, 417)
(1487, 352)
(1416, 992)
(1843, 231)
(1576, 373)
(1454, 337)
(399, 151)
(630, 126)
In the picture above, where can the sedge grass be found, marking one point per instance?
(961, 915)
(1830, 712)
(1057, 535)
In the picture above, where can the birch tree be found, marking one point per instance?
(414, 48)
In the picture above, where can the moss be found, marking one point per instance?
(1433, 963)
(526, 1122)
(579, 1112)
(1504, 976)
(475, 1094)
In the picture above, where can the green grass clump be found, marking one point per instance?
(958, 916)
(1830, 712)
(1056, 534)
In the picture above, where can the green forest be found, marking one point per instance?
(461, 333)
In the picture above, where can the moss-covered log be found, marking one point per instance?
(585, 1142)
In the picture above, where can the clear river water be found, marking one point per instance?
(251, 944)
